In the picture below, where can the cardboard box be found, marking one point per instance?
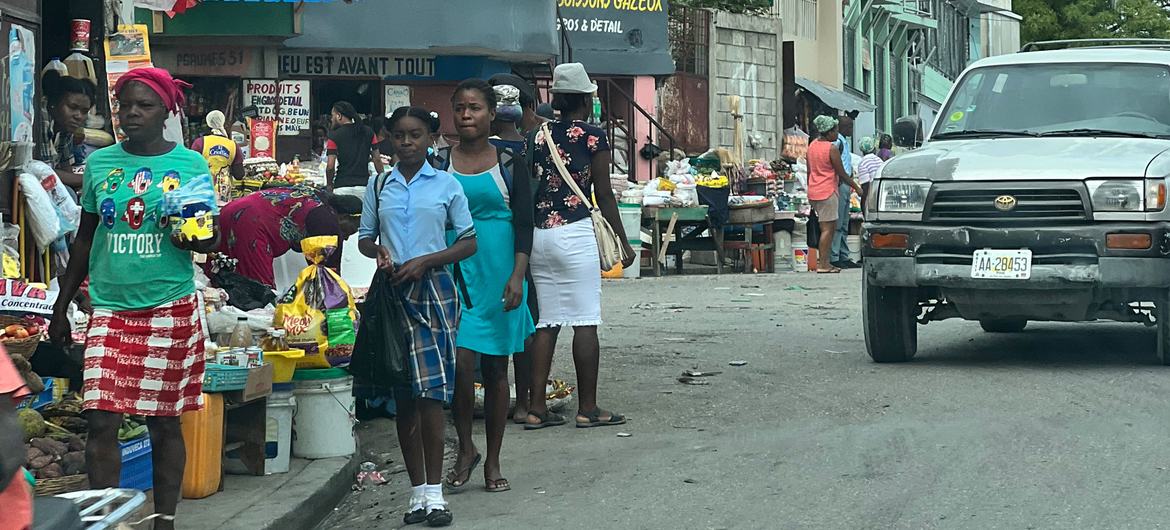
(259, 385)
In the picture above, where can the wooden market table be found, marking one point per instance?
(659, 220)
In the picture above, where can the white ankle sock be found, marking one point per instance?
(418, 497)
(434, 496)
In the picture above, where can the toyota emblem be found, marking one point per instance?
(1005, 203)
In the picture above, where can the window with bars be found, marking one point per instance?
(690, 40)
(850, 57)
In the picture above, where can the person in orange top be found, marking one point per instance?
(15, 498)
(825, 172)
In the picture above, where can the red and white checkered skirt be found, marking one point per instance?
(147, 362)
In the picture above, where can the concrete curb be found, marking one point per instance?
(315, 507)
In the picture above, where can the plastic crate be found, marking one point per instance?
(137, 466)
(223, 378)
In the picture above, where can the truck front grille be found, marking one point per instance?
(971, 205)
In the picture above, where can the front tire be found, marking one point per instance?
(890, 316)
(1007, 325)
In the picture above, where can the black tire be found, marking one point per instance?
(1007, 325)
(1162, 318)
(890, 316)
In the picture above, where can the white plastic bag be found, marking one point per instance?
(66, 206)
(41, 217)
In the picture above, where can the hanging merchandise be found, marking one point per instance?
(43, 222)
(10, 258)
(67, 209)
(795, 144)
(318, 312)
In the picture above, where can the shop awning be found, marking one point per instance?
(501, 29)
(837, 99)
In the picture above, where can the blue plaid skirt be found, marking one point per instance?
(431, 306)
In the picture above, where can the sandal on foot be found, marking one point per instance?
(453, 484)
(415, 517)
(548, 419)
(498, 485)
(594, 419)
(520, 418)
(440, 517)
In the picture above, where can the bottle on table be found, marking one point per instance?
(242, 335)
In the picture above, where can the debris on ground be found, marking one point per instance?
(693, 381)
(368, 475)
(737, 363)
(694, 372)
(624, 435)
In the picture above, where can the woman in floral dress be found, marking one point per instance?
(565, 262)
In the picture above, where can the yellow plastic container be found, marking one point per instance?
(284, 363)
(614, 273)
(203, 436)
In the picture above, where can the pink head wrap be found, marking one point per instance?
(159, 80)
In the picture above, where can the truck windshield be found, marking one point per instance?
(1059, 99)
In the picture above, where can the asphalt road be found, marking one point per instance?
(1062, 426)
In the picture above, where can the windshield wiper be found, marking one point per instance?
(984, 133)
(1102, 132)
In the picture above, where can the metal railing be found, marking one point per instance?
(626, 122)
(799, 17)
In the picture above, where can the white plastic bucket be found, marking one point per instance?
(854, 243)
(323, 422)
(631, 215)
(635, 270)
(784, 253)
(800, 256)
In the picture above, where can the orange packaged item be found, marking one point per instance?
(203, 436)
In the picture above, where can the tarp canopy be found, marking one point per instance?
(837, 99)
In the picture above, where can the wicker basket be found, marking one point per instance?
(754, 214)
(57, 486)
(22, 347)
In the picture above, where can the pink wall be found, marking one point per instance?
(646, 96)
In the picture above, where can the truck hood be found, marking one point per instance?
(1026, 159)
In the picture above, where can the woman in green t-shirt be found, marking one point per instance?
(144, 346)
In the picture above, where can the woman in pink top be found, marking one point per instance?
(824, 171)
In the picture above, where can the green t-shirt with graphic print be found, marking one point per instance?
(133, 264)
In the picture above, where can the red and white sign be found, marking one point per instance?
(263, 134)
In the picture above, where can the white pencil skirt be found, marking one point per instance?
(567, 271)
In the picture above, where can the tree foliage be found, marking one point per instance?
(734, 6)
(1086, 19)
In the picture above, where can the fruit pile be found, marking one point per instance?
(55, 437)
(20, 331)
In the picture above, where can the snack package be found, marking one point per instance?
(318, 312)
(192, 208)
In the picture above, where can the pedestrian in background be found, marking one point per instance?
(350, 148)
(826, 175)
(404, 225)
(134, 327)
(840, 253)
(495, 322)
(868, 168)
(565, 258)
(530, 120)
(68, 101)
(514, 108)
(222, 154)
(886, 147)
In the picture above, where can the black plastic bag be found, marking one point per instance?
(244, 293)
(813, 230)
(380, 354)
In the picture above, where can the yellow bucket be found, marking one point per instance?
(284, 363)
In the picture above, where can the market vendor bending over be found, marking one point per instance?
(262, 226)
(144, 346)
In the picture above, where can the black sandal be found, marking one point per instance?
(454, 474)
(594, 419)
(442, 517)
(548, 419)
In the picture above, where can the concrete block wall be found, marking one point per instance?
(746, 58)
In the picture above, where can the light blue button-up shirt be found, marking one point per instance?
(413, 217)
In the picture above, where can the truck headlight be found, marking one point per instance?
(902, 196)
(1117, 195)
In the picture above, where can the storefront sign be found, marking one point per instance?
(626, 37)
(19, 297)
(219, 61)
(349, 65)
(293, 96)
(396, 96)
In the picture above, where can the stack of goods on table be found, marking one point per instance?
(257, 172)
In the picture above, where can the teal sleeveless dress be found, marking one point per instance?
(485, 327)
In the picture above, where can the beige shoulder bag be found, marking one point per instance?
(609, 247)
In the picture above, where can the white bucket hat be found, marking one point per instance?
(571, 78)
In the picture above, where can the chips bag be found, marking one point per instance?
(318, 311)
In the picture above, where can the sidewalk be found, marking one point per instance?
(297, 500)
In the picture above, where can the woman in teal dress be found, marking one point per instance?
(496, 321)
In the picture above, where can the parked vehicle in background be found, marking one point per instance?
(1040, 195)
